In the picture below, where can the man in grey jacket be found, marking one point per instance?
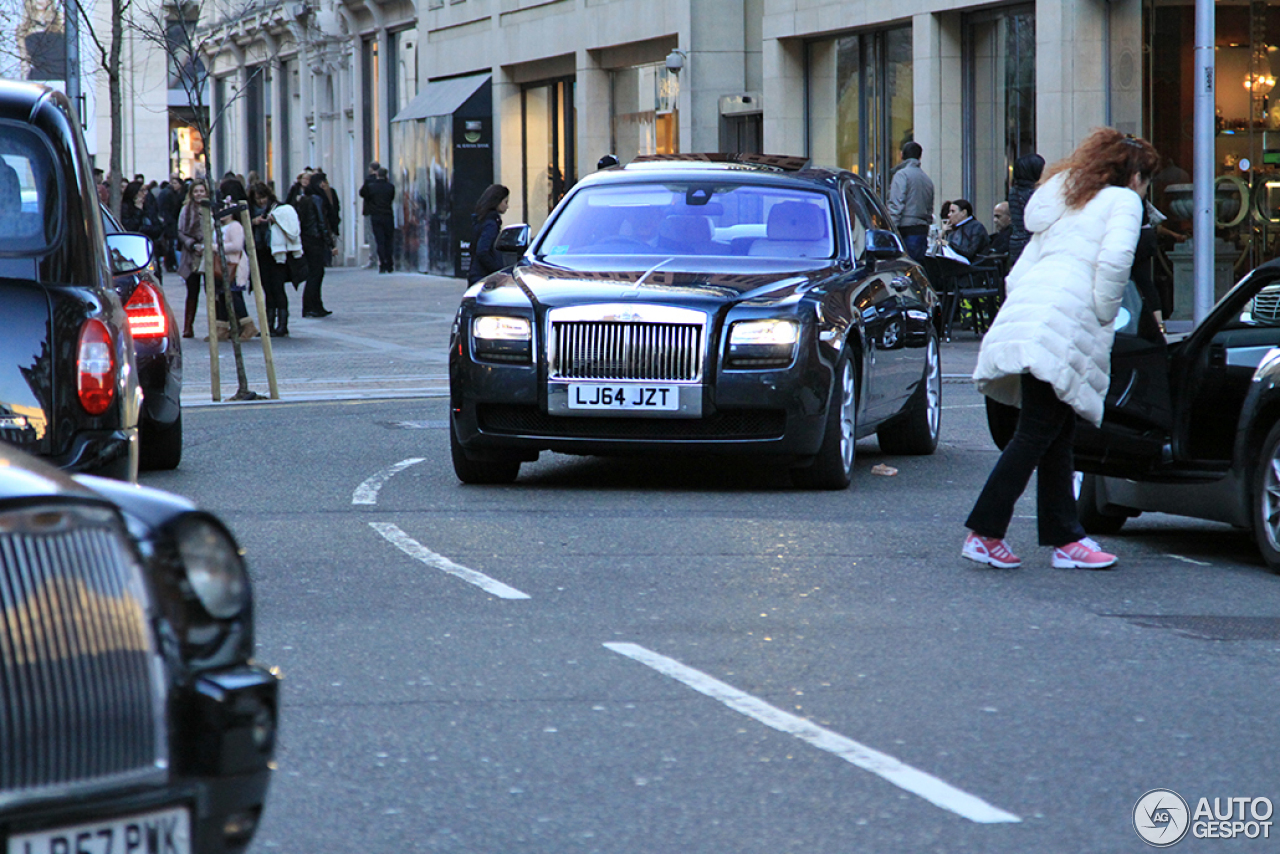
(911, 201)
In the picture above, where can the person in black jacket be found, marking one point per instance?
(172, 195)
(378, 194)
(137, 215)
(315, 243)
(967, 236)
(1027, 170)
(486, 223)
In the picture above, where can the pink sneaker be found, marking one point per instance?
(989, 550)
(1082, 554)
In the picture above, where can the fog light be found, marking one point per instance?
(238, 827)
(263, 729)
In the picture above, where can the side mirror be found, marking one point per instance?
(883, 245)
(129, 253)
(514, 238)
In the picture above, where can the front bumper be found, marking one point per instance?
(502, 411)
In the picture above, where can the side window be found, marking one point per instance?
(28, 192)
(876, 213)
(857, 224)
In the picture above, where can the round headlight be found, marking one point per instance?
(213, 566)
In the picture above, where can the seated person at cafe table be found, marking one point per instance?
(967, 236)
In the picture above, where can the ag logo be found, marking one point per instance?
(1161, 817)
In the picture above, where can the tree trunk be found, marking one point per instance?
(117, 105)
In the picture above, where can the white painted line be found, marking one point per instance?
(367, 492)
(417, 551)
(903, 776)
(967, 406)
(1189, 560)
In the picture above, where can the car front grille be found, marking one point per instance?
(620, 350)
(727, 425)
(80, 690)
(1266, 305)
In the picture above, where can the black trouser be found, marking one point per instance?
(384, 232)
(1042, 443)
(237, 300)
(915, 239)
(313, 251)
(274, 277)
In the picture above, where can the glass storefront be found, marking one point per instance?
(1000, 97)
(644, 117)
(861, 103)
(550, 167)
(1246, 144)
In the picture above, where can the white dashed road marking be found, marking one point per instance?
(903, 776)
(367, 492)
(417, 551)
(1189, 560)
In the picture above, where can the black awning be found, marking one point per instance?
(441, 97)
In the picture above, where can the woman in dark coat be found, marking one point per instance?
(1026, 174)
(486, 223)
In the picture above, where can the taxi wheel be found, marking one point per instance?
(1266, 500)
(832, 467)
(161, 446)
(918, 430)
(479, 471)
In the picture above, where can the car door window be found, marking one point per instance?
(857, 224)
(28, 192)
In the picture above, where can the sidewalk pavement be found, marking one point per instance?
(388, 337)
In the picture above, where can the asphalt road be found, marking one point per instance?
(691, 656)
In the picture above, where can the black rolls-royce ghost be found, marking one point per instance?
(700, 304)
(132, 717)
(68, 382)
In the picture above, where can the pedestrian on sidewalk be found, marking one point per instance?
(235, 276)
(369, 241)
(191, 266)
(1049, 349)
(379, 194)
(1027, 170)
(911, 201)
(486, 224)
(276, 235)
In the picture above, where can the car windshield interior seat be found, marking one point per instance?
(795, 230)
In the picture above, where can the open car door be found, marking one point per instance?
(1138, 414)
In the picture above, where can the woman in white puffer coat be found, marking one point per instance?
(1049, 350)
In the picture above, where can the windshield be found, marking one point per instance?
(28, 192)
(692, 218)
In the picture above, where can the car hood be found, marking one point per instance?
(23, 476)
(693, 282)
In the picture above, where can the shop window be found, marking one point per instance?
(644, 116)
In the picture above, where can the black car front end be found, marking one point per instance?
(131, 712)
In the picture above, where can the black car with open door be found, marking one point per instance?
(1191, 424)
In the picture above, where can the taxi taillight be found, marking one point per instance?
(146, 313)
(95, 368)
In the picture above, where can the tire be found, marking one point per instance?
(917, 432)
(1093, 519)
(1266, 500)
(479, 471)
(832, 467)
(162, 447)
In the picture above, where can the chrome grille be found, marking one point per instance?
(80, 689)
(619, 350)
(1266, 305)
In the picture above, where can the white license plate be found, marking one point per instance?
(160, 832)
(624, 396)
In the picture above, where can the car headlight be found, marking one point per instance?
(213, 567)
(764, 332)
(492, 327)
(762, 344)
(502, 338)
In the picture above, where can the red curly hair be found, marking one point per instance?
(1106, 158)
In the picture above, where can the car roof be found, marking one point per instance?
(780, 169)
(18, 99)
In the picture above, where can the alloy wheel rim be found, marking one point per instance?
(933, 389)
(1271, 500)
(846, 416)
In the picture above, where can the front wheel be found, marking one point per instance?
(479, 471)
(1266, 500)
(1093, 519)
(918, 430)
(832, 467)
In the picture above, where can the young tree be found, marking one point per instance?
(176, 31)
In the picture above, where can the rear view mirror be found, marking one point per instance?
(514, 238)
(883, 245)
(129, 253)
